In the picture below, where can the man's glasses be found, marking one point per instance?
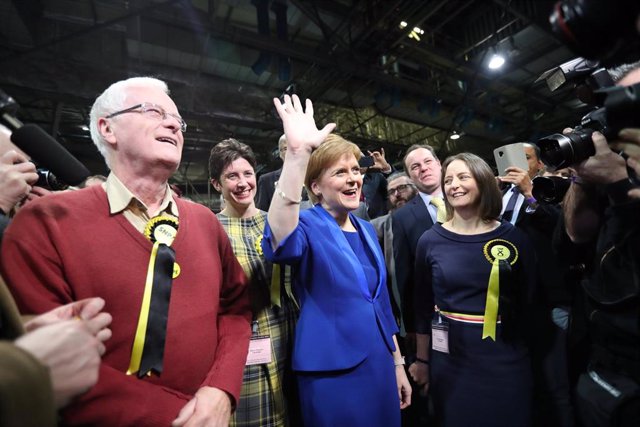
(152, 110)
(400, 188)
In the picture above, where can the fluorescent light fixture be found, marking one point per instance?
(415, 33)
(497, 61)
(454, 135)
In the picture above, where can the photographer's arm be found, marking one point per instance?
(581, 213)
(17, 175)
(630, 144)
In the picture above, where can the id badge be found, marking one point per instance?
(259, 350)
(440, 336)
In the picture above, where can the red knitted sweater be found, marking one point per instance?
(67, 246)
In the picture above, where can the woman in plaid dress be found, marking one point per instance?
(267, 387)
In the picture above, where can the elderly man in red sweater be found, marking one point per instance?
(163, 265)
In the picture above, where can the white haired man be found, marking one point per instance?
(163, 265)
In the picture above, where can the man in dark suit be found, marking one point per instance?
(409, 223)
(549, 352)
(266, 183)
(414, 218)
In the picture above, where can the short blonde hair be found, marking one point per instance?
(329, 152)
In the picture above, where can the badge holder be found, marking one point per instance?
(259, 347)
(440, 334)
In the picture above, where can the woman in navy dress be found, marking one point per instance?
(475, 285)
(345, 358)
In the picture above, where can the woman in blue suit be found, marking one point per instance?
(346, 359)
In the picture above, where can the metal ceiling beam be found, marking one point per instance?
(150, 6)
(530, 21)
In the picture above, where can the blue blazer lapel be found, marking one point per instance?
(372, 242)
(348, 256)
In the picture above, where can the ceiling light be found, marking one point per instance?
(403, 24)
(497, 61)
(454, 135)
(414, 35)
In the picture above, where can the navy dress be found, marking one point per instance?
(480, 382)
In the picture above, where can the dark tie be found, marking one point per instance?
(153, 352)
(511, 204)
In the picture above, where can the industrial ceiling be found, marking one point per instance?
(390, 73)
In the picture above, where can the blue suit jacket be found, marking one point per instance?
(339, 318)
(408, 224)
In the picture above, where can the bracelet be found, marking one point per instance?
(576, 179)
(399, 362)
(531, 200)
(284, 197)
(425, 361)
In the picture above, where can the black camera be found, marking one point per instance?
(598, 29)
(621, 110)
(46, 179)
(42, 148)
(550, 189)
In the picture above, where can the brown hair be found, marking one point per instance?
(226, 152)
(415, 147)
(330, 151)
(490, 203)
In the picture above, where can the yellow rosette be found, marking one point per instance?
(500, 253)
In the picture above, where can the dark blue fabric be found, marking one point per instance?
(511, 204)
(408, 223)
(366, 258)
(480, 382)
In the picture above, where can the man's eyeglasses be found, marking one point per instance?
(152, 110)
(400, 188)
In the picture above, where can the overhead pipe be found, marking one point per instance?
(262, 13)
(284, 64)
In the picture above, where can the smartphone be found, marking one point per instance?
(510, 155)
(366, 161)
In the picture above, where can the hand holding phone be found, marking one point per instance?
(510, 155)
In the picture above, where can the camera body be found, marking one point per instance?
(46, 179)
(599, 29)
(621, 109)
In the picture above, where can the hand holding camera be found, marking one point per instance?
(17, 175)
(605, 166)
(629, 143)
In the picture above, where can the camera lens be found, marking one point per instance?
(560, 151)
(550, 189)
